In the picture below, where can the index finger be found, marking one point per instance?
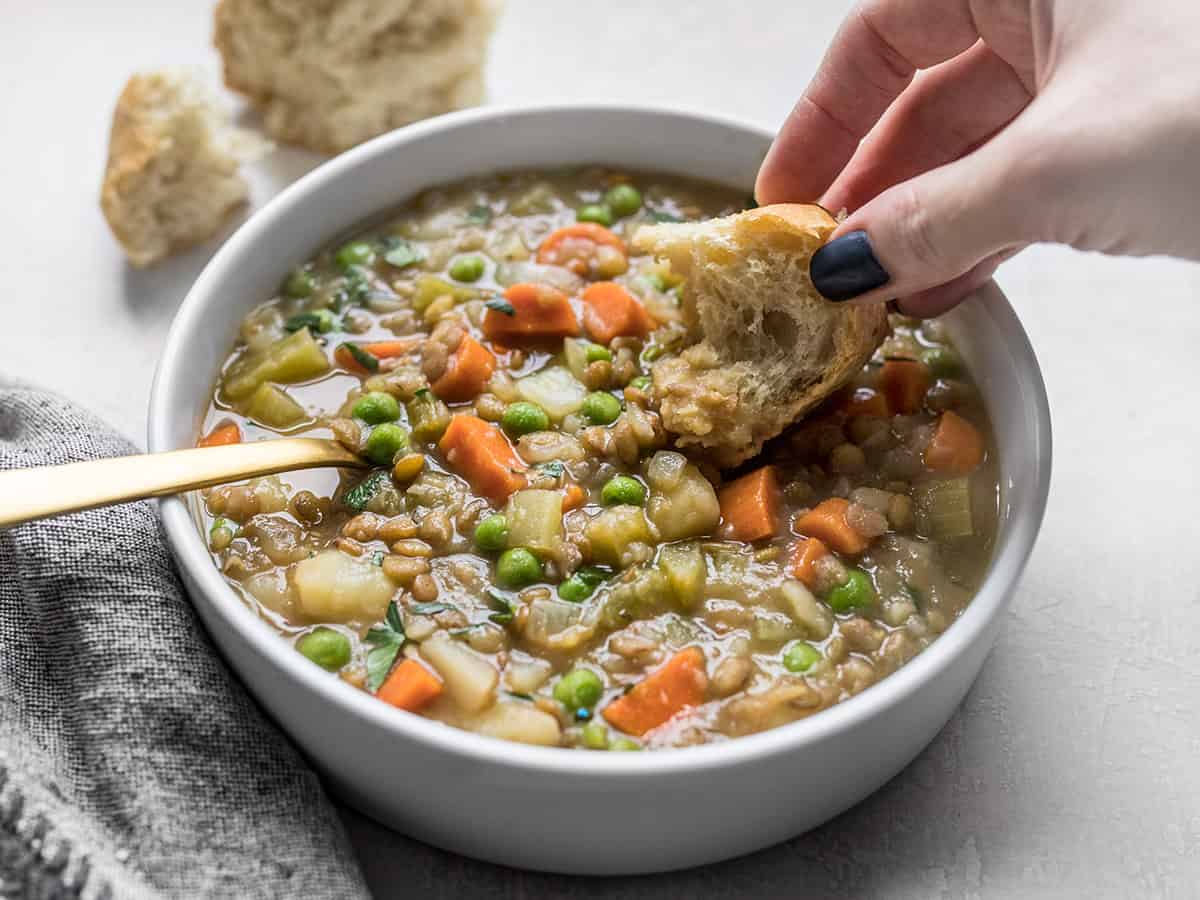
(872, 59)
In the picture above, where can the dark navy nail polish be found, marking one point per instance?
(846, 267)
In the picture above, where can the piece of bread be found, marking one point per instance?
(173, 156)
(765, 346)
(328, 76)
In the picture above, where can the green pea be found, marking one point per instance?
(517, 568)
(598, 353)
(943, 362)
(656, 281)
(641, 382)
(624, 745)
(221, 534)
(579, 689)
(467, 268)
(581, 585)
(318, 321)
(594, 736)
(299, 284)
(377, 407)
(595, 212)
(355, 253)
(623, 199)
(623, 489)
(856, 592)
(601, 408)
(800, 657)
(575, 590)
(328, 648)
(524, 418)
(492, 533)
(384, 442)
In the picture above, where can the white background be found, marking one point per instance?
(1072, 768)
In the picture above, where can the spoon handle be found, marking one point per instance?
(39, 493)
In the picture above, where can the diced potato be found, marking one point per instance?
(242, 377)
(555, 390)
(432, 490)
(470, 679)
(558, 625)
(512, 720)
(438, 253)
(335, 587)
(430, 288)
(539, 197)
(271, 406)
(684, 567)
(271, 589)
(575, 353)
(520, 272)
(296, 357)
(614, 530)
(771, 626)
(803, 607)
(544, 446)
(262, 327)
(733, 574)
(527, 673)
(633, 596)
(440, 223)
(535, 520)
(506, 245)
(665, 470)
(689, 509)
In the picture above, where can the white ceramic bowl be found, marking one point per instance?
(553, 809)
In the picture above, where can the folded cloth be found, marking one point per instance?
(132, 763)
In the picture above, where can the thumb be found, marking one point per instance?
(931, 230)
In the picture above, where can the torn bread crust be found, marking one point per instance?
(172, 174)
(328, 77)
(765, 346)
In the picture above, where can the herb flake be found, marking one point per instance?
(362, 493)
(499, 304)
(502, 608)
(429, 609)
(400, 253)
(553, 469)
(387, 639)
(361, 356)
(321, 321)
(355, 287)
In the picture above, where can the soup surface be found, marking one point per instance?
(530, 559)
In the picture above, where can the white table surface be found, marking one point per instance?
(1071, 768)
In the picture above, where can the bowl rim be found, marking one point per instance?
(193, 557)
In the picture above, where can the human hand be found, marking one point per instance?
(1067, 121)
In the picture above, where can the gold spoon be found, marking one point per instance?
(46, 491)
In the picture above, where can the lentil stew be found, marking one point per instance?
(530, 559)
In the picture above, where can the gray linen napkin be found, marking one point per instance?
(132, 764)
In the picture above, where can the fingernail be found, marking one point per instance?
(846, 267)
